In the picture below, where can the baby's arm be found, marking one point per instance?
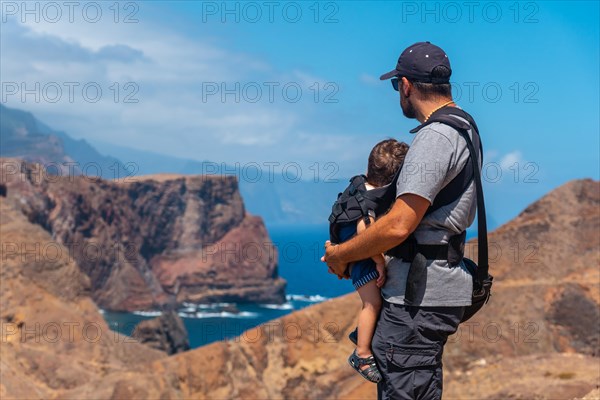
(379, 259)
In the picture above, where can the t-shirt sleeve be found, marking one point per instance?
(426, 165)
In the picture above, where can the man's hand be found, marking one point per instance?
(380, 266)
(388, 231)
(336, 265)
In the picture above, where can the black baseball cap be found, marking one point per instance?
(417, 62)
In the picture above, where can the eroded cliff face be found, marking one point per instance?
(53, 336)
(153, 240)
(535, 339)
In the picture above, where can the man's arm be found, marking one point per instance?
(385, 233)
(379, 258)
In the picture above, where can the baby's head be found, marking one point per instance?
(385, 159)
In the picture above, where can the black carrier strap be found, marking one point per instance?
(482, 242)
(356, 203)
(352, 205)
(457, 186)
(454, 250)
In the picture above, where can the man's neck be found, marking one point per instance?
(425, 109)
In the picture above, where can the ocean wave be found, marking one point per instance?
(307, 298)
(284, 306)
(226, 314)
(220, 314)
(215, 305)
(151, 313)
(193, 307)
(207, 306)
(184, 314)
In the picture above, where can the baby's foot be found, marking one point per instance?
(365, 366)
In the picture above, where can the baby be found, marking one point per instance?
(368, 276)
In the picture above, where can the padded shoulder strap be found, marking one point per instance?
(351, 204)
(457, 186)
(447, 115)
(482, 243)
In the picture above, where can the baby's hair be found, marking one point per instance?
(385, 159)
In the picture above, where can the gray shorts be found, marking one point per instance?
(408, 346)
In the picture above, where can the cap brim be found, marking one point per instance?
(389, 75)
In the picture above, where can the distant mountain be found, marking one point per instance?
(22, 136)
(25, 137)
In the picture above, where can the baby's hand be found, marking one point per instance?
(381, 270)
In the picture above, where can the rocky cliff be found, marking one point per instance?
(53, 337)
(536, 339)
(149, 241)
(165, 333)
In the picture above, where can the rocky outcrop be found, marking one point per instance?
(524, 344)
(546, 281)
(53, 338)
(166, 333)
(149, 241)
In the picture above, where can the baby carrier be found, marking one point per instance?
(357, 203)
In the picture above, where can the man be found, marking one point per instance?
(411, 332)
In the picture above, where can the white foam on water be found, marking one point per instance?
(223, 314)
(284, 306)
(214, 305)
(148, 313)
(307, 298)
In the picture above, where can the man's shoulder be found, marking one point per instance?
(435, 130)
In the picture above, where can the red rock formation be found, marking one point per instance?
(303, 355)
(151, 240)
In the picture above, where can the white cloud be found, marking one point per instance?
(171, 116)
(510, 159)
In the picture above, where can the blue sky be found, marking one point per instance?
(528, 72)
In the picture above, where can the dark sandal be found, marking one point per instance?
(371, 374)
(353, 336)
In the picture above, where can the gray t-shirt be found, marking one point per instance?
(437, 154)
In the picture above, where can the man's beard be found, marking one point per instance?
(407, 107)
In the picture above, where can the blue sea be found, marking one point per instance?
(308, 282)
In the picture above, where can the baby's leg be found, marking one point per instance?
(371, 299)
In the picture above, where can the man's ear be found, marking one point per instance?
(406, 87)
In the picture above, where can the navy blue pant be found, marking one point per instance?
(408, 345)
